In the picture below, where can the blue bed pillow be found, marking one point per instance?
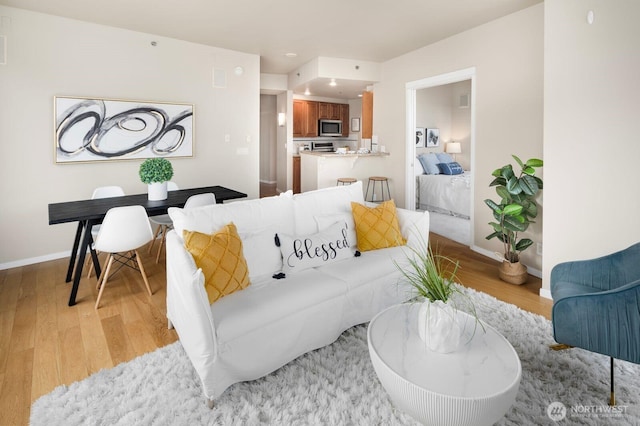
(443, 157)
(429, 163)
(451, 168)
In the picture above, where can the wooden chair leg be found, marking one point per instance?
(144, 275)
(153, 240)
(162, 242)
(102, 282)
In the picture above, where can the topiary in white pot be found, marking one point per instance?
(156, 172)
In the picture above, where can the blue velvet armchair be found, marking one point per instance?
(596, 305)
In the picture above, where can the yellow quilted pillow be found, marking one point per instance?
(220, 257)
(377, 227)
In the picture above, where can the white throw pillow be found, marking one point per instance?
(326, 221)
(308, 251)
(335, 199)
(259, 250)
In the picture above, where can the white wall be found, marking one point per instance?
(591, 144)
(49, 56)
(268, 138)
(508, 57)
(461, 123)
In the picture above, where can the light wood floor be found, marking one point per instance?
(45, 343)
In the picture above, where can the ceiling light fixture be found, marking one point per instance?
(333, 83)
(307, 92)
(290, 55)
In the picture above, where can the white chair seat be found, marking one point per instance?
(101, 192)
(123, 230)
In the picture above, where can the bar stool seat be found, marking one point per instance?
(346, 181)
(383, 181)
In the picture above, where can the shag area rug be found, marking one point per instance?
(336, 385)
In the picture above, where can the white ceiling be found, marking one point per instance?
(368, 30)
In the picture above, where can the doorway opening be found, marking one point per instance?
(441, 110)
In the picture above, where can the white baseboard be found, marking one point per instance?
(33, 260)
(535, 272)
(546, 293)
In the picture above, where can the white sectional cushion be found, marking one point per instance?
(370, 266)
(270, 300)
(332, 200)
(414, 227)
(302, 252)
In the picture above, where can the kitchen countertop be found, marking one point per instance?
(334, 155)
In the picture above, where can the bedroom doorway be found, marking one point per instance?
(444, 103)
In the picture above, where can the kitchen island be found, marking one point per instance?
(322, 169)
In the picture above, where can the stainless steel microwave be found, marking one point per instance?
(330, 128)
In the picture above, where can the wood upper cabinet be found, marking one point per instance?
(344, 116)
(367, 115)
(305, 119)
(307, 113)
(329, 111)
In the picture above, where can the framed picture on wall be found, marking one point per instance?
(94, 129)
(420, 137)
(433, 138)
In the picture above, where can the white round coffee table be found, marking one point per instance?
(475, 385)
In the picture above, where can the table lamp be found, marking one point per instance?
(453, 148)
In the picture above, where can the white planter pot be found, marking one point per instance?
(157, 191)
(440, 326)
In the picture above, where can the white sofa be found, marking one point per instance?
(252, 332)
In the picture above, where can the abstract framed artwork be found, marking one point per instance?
(94, 129)
(433, 137)
(420, 137)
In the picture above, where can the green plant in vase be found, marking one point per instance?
(433, 278)
(156, 172)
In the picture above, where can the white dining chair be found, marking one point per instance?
(200, 200)
(101, 192)
(163, 223)
(123, 231)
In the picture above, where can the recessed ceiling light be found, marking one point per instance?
(333, 82)
(290, 55)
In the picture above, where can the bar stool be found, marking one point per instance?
(346, 181)
(375, 179)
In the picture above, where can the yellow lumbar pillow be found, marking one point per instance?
(377, 227)
(220, 257)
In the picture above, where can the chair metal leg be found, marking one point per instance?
(612, 397)
(102, 283)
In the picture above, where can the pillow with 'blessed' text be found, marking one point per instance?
(308, 251)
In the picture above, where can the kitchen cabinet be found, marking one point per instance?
(329, 111)
(367, 115)
(344, 116)
(296, 174)
(305, 119)
(307, 113)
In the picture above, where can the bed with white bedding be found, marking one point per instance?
(449, 194)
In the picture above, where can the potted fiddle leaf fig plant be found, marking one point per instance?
(156, 172)
(514, 213)
(433, 278)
